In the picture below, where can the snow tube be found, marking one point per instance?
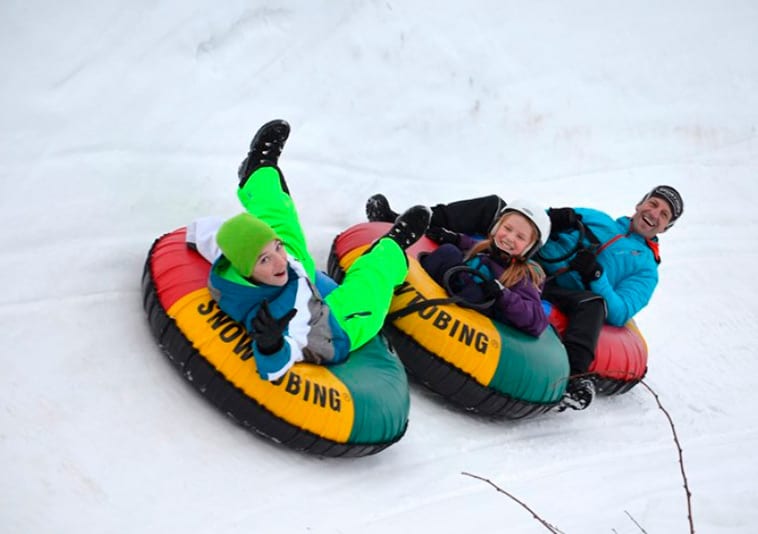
(620, 356)
(356, 408)
(480, 364)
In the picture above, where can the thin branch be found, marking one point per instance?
(681, 458)
(688, 494)
(547, 525)
(635, 522)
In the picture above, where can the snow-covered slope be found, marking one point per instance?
(123, 120)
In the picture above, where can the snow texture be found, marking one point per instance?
(120, 121)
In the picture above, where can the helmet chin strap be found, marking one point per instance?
(529, 251)
(507, 256)
(498, 253)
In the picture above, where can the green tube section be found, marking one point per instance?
(377, 381)
(531, 369)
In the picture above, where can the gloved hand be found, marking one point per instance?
(491, 289)
(585, 263)
(267, 331)
(441, 235)
(563, 219)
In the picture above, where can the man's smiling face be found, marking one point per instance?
(651, 217)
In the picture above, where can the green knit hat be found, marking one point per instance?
(242, 239)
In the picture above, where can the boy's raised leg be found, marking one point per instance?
(265, 149)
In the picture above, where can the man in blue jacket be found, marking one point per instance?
(600, 269)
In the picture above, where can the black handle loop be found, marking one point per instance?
(455, 271)
(451, 299)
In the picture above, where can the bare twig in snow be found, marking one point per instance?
(547, 525)
(681, 459)
(635, 522)
(688, 494)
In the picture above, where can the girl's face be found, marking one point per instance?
(271, 266)
(514, 234)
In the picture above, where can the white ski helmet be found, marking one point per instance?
(538, 217)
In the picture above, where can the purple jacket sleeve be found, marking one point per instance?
(521, 306)
(466, 242)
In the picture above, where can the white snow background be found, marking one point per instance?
(120, 121)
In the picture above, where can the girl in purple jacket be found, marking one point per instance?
(507, 284)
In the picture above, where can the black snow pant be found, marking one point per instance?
(585, 312)
(472, 216)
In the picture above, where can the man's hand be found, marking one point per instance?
(585, 263)
(563, 219)
(268, 331)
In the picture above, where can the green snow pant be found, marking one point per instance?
(360, 304)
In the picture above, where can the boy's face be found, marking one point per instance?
(651, 217)
(271, 266)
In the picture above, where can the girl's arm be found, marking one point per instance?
(438, 262)
(521, 306)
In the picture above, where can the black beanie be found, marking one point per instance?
(670, 195)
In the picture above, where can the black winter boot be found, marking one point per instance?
(265, 148)
(378, 209)
(580, 392)
(410, 226)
